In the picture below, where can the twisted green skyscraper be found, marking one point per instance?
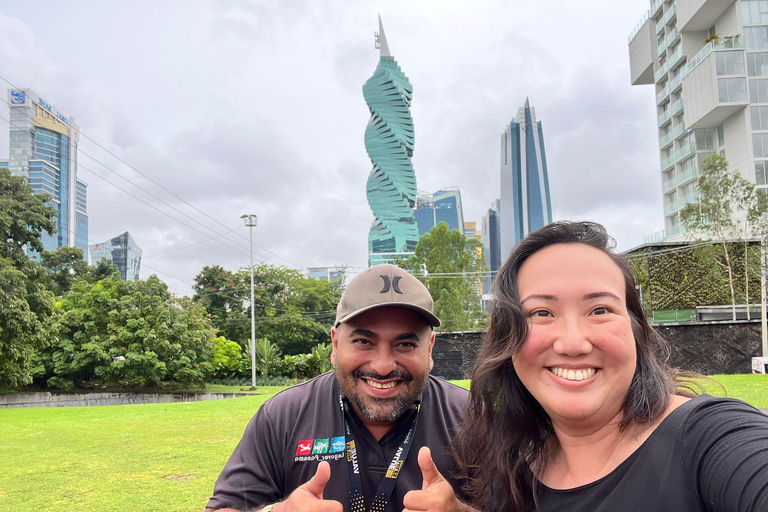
(391, 188)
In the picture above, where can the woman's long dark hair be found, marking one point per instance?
(506, 430)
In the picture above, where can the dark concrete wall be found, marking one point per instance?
(707, 348)
(713, 348)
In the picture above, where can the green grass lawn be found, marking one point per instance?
(150, 457)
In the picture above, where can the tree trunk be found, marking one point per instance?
(746, 268)
(730, 275)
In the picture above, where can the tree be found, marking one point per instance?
(453, 264)
(721, 193)
(64, 265)
(26, 307)
(129, 333)
(294, 311)
(224, 296)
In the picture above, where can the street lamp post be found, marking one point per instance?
(250, 221)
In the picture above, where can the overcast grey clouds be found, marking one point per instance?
(256, 107)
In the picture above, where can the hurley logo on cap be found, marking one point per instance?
(395, 283)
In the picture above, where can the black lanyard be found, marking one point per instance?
(356, 498)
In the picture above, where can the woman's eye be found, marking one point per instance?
(601, 311)
(541, 313)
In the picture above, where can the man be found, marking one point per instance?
(355, 439)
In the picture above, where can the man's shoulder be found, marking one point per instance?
(446, 393)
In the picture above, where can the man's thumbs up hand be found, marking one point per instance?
(436, 494)
(309, 497)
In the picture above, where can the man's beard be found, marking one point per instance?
(384, 410)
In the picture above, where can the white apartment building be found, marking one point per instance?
(708, 60)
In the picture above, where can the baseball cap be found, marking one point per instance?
(385, 285)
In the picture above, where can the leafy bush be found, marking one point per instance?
(126, 333)
(226, 357)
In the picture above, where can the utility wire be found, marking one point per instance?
(191, 245)
(152, 180)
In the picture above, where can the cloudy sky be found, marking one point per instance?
(212, 109)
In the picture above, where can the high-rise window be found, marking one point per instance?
(760, 144)
(760, 173)
(759, 117)
(756, 37)
(758, 90)
(705, 138)
(757, 64)
(732, 89)
(729, 63)
(754, 11)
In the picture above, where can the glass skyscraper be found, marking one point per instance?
(43, 149)
(442, 206)
(525, 205)
(123, 252)
(489, 236)
(389, 138)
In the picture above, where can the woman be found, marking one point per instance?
(571, 410)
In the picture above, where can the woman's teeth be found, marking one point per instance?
(582, 374)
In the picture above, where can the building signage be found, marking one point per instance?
(47, 106)
(18, 97)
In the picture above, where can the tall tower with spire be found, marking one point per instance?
(389, 137)
(524, 203)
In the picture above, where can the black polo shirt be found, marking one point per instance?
(302, 425)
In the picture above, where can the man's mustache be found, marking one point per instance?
(395, 374)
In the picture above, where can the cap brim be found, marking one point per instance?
(427, 314)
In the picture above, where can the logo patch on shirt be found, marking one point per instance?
(321, 446)
(305, 447)
(328, 448)
(337, 445)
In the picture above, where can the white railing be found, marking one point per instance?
(669, 184)
(675, 133)
(655, 237)
(671, 208)
(639, 26)
(675, 57)
(662, 95)
(676, 107)
(724, 43)
(661, 71)
(670, 12)
(655, 7)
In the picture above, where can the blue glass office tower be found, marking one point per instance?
(525, 204)
(123, 252)
(442, 206)
(489, 236)
(43, 149)
(389, 138)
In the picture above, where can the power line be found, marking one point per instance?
(151, 180)
(189, 246)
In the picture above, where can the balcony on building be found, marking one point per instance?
(693, 15)
(712, 90)
(642, 43)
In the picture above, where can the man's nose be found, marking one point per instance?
(383, 361)
(572, 339)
